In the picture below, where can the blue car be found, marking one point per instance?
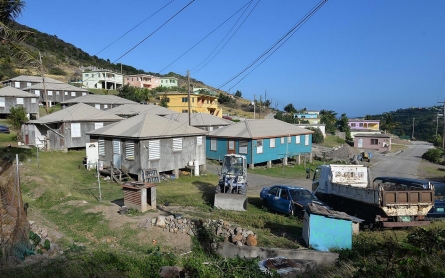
(4, 129)
(291, 200)
(438, 211)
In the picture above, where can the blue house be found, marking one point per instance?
(325, 229)
(260, 141)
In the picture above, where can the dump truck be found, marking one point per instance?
(379, 203)
(230, 193)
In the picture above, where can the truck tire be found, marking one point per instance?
(218, 189)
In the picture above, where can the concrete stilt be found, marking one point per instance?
(285, 161)
(176, 173)
(299, 159)
(310, 158)
(269, 164)
(251, 166)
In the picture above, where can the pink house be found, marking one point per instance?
(379, 142)
(142, 81)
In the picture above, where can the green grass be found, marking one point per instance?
(398, 147)
(290, 171)
(332, 141)
(101, 91)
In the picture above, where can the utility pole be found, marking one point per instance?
(259, 114)
(44, 86)
(412, 135)
(188, 96)
(443, 134)
(254, 104)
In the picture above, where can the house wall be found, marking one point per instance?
(329, 233)
(364, 124)
(56, 96)
(383, 143)
(21, 84)
(31, 108)
(198, 104)
(169, 160)
(278, 152)
(101, 106)
(169, 82)
(142, 81)
(32, 135)
(102, 79)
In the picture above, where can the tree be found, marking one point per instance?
(290, 108)
(327, 117)
(238, 94)
(317, 137)
(267, 103)
(164, 101)
(17, 117)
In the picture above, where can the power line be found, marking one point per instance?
(155, 31)
(135, 27)
(305, 18)
(204, 37)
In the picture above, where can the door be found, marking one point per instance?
(117, 153)
(231, 147)
(282, 203)
(360, 143)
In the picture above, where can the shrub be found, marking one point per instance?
(433, 155)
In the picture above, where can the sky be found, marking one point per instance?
(354, 57)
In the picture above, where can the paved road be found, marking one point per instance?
(403, 164)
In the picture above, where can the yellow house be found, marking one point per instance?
(198, 103)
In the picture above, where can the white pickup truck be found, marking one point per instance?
(380, 202)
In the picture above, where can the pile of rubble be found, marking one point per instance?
(176, 224)
(342, 153)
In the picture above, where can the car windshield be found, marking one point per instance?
(233, 165)
(439, 191)
(302, 195)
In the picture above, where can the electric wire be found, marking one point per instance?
(229, 38)
(154, 31)
(239, 18)
(306, 17)
(204, 37)
(135, 27)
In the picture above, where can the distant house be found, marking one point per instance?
(311, 116)
(380, 142)
(148, 141)
(129, 110)
(55, 92)
(200, 120)
(142, 81)
(102, 79)
(364, 126)
(66, 128)
(23, 81)
(169, 81)
(102, 102)
(198, 103)
(12, 97)
(322, 127)
(260, 141)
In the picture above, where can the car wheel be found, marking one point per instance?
(265, 205)
(292, 211)
(218, 189)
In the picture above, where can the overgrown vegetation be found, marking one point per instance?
(434, 155)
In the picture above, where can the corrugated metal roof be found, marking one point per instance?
(198, 119)
(379, 135)
(320, 210)
(147, 126)
(99, 99)
(29, 78)
(55, 87)
(77, 113)
(13, 92)
(265, 128)
(131, 109)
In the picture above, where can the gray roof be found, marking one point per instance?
(147, 126)
(34, 79)
(132, 109)
(55, 87)
(99, 99)
(320, 210)
(379, 135)
(198, 119)
(256, 129)
(78, 113)
(13, 92)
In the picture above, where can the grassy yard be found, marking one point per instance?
(289, 171)
(332, 141)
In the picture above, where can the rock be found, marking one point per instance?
(153, 221)
(180, 221)
(251, 240)
(236, 238)
(108, 240)
(148, 223)
(219, 231)
(190, 233)
(31, 223)
(171, 272)
(54, 246)
(160, 221)
(226, 224)
(44, 234)
(239, 243)
(249, 232)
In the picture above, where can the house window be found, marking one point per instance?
(84, 94)
(37, 92)
(28, 84)
(86, 74)
(243, 147)
(213, 144)
(2, 102)
(66, 93)
(231, 145)
(353, 124)
(210, 128)
(97, 106)
(101, 146)
(73, 94)
(57, 93)
(272, 142)
(184, 99)
(360, 124)
(20, 100)
(154, 149)
(193, 99)
(105, 106)
(297, 139)
(50, 93)
(17, 84)
(185, 111)
(75, 130)
(374, 141)
(306, 140)
(177, 144)
(33, 100)
(98, 125)
(259, 146)
(282, 140)
(129, 150)
(199, 140)
(289, 139)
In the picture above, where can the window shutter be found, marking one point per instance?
(213, 144)
(297, 139)
(98, 125)
(75, 130)
(129, 150)
(272, 142)
(177, 144)
(2, 102)
(101, 147)
(199, 140)
(19, 100)
(154, 149)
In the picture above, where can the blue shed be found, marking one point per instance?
(325, 229)
(260, 141)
